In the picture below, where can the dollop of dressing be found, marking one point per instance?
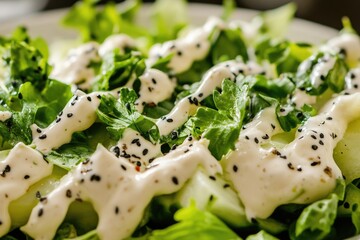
(156, 86)
(5, 115)
(347, 44)
(117, 41)
(212, 79)
(117, 191)
(76, 70)
(23, 167)
(136, 149)
(78, 115)
(301, 172)
(194, 46)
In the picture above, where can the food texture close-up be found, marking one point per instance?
(175, 120)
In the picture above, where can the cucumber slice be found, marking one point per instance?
(215, 195)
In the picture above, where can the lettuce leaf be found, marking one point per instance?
(195, 224)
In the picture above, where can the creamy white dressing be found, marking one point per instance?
(352, 81)
(76, 70)
(301, 172)
(23, 167)
(118, 192)
(136, 149)
(155, 87)
(117, 41)
(346, 43)
(194, 46)
(210, 81)
(5, 115)
(300, 98)
(78, 115)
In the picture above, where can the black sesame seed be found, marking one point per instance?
(138, 163)
(226, 185)
(200, 95)
(198, 45)
(89, 98)
(153, 81)
(116, 150)
(247, 138)
(322, 77)
(212, 178)
(20, 96)
(43, 136)
(58, 120)
(313, 137)
(26, 177)
(329, 118)
(321, 142)
(169, 120)
(352, 76)
(40, 212)
(265, 136)
(346, 205)
(321, 135)
(145, 151)
(69, 115)
(179, 53)
(98, 96)
(282, 110)
(256, 140)
(38, 194)
(235, 168)
(290, 166)
(314, 147)
(123, 167)
(273, 126)
(175, 180)
(117, 210)
(68, 193)
(95, 177)
(174, 135)
(356, 86)
(299, 169)
(38, 130)
(315, 163)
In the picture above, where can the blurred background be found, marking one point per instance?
(326, 12)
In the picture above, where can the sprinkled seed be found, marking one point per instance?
(322, 77)
(247, 138)
(169, 120)
(38, 130)
(314, 147)
(329, 118)
(145, 151)
(89, 98)
(256, 140)
(26, 177)
(175, 180)
(235, 168)
(43, 136)
(98, 96)
(153, 81)
(200, 95)
(313, 136)
(179, 53)
(69, 115)
(40, 212)
(212, 178)
(273, 126)
(116, 150)
(198, 45)
(290, 166)
(68, 193)
(226, 185)
(321, 142)
(315, 163)
(123, 167)
(117, 210)
(321, 135)
(265, 136)
(58, 120)
(95, 177)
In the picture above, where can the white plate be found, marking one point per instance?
(47, 24)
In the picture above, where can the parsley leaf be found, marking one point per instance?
(222, 126)
(121, 114)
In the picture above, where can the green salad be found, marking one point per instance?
(172, 131)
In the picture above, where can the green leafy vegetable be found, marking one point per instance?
(195, 224)
(316, 220)
(222, 126)
(121, 114)
(262, 235)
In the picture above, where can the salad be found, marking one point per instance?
(222, 131)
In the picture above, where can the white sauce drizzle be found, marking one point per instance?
(75, 70)
(23, 167)
(194, 46)
(302, 172)
(117, 41)
(117, 191)
(156, 86)
(5, 115)
(136, 149)
(347, 43)
(300, 98)
(352, 81)
(211, 80)
(78, 115)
